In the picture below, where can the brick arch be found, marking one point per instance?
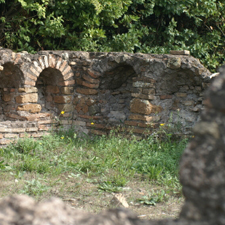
(49, 62)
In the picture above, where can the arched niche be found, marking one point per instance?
(52, 93)
(11, 78)
(117, 76)
(116, 85)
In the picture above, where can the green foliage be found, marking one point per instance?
(155, 26)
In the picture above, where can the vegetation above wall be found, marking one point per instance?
(148, 26)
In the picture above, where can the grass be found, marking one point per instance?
(89, 169)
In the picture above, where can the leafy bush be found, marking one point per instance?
(155, 26)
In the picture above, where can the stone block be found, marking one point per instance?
(26, 98)
(174, 63)
(141, 84)
(140, 106)
(28, 90)
(1, 136)
(33, 108)
(189, 103)
(143, 96)
(181, 95)
(86, 91)
(180, 52)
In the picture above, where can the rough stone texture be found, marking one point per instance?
(120, 88)
(202, 173)
(202, 168)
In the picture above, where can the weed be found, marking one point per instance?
(34, 188)
(153, 197)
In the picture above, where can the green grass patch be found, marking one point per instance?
(107, 164)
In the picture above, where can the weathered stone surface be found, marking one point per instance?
(26, 98)
(174, 63)
(202, 168)
(140, 106)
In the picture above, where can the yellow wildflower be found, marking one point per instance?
(62, 137)
(62, 112)
(92, 123)
(162, 124)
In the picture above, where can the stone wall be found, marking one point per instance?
(97, 92)
(202, 173)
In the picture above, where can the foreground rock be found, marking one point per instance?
(202, 173)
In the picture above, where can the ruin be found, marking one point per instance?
(202, 175)
(97, 92)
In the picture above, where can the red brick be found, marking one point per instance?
(91, 80)
(91, 117)
(67, 83)
(36, 117)
(69, 75)
(98, 132)
(95, 125)
(35, 72)
(86, 84)
(62, 66)
(67, 69)
(93, 74)
(62, 99)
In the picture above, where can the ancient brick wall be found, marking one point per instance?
(97, 91)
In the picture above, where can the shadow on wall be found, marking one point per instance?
(11, 79)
